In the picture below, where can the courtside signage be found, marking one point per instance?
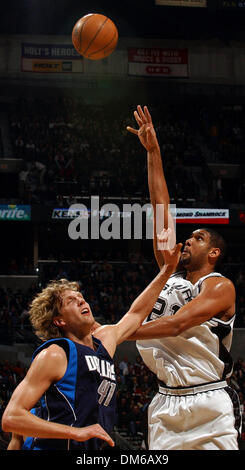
(15, 212)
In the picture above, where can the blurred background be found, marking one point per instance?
(63, 139)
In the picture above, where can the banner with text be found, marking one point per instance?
(158, 62)
(182, 3)
(15, 212)
(202, 216)
(182, 215)
(51, 58)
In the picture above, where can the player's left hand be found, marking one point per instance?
(146, 131)
(171, 255)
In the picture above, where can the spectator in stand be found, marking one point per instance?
(146, 383)
(240, 281)
(123, 366)
(135, 421)
(134, 386)
(139, 366)
(123, 411)
(56, 134)
(121, 387)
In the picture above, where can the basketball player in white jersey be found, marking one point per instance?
(186, 339)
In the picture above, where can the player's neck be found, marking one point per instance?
(196, 274)
(85, 340)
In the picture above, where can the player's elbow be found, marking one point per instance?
(11, 419)
(7, 422)
(176, 331)
(176, 328)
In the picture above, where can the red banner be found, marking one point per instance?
(158, 62)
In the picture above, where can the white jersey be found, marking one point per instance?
(198, 355)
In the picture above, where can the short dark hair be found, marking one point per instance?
(217, 241)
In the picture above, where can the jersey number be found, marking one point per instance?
(160, 308)
(106, 391)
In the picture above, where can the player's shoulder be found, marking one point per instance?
(217, 278)
(52, 352)
(50, 362)
(219, 283)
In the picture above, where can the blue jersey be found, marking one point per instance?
(85, 395)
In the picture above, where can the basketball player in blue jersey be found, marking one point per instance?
(72, 376)
(186, 339)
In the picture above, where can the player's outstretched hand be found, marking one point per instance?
(171, 255)
(95, 430)
(146, 131)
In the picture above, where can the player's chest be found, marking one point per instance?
(174, 295)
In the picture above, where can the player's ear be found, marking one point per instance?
(214, 253)
(58, 321)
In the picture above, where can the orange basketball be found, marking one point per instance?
(94, 36)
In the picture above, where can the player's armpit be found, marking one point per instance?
(108, 336)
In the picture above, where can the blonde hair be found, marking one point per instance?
(45, 306)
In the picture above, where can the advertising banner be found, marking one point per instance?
(158, 62)
(202, 216)
(50, 58)
(183, 216)
(15, 212)
(62, 213)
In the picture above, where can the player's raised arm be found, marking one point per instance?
(156, 180)
(112, 335)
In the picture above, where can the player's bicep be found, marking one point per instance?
(47, 367)
(217, 294)
(214, 298)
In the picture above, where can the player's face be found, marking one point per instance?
(75, 311)
(196, 249)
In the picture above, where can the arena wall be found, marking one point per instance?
(210, 61)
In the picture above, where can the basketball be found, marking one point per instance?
(95, 36)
